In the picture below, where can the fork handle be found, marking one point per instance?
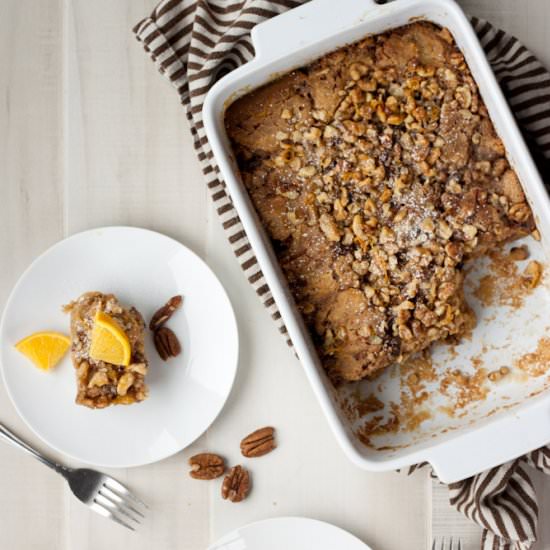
(10, 437)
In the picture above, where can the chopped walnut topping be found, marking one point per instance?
(307, 171)
(329, 228)
(99, 379)
(520, 213)
(387, 177)
(357, 70)
(125, 382)
(101, 384)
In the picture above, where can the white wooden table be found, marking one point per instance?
(92, 135)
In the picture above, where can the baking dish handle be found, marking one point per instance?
(496, 443)
(304, 25)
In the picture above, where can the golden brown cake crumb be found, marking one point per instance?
(505, 284)
(536, 363)
(465, 388)
(377, 173)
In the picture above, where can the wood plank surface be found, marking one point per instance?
(92, 135)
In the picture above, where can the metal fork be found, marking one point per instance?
(101, 493)
(446, 544)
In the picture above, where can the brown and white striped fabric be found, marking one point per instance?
(194, 43)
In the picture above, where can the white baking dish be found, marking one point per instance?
(515, 417)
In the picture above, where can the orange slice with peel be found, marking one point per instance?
(44, 349)
(109, 341)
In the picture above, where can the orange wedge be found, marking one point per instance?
(44, 349)
(109, 342)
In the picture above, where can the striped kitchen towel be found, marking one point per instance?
(193, 43)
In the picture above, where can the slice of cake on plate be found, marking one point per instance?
(108, 352)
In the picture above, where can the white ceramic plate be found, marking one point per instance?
(143, 269)
(289, 534)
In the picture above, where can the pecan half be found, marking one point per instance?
(165, 312)
(206, 466)
(166, 343)
(236, 484)
(258, 443)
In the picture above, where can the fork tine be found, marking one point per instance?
(106, 492)
(459, 545)
(113, 506)
(116, 519)
(101, 510)
(114, 485)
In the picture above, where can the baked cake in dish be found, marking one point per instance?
(100, 383)
(377, 174)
